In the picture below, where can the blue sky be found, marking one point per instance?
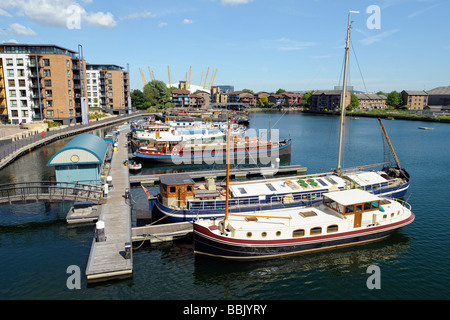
(261, 45)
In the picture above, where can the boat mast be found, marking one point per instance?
(228, 170)
(343, 94)
(390, 144)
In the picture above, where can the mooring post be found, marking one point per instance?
(100, 229)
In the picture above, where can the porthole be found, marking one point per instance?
(264, 234)
(384, 216)
(249, 234)
(316, 230)
(278, 233)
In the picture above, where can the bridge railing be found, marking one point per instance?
(49, 190)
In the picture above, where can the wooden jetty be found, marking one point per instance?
(162, 232)
(234, 173)
(113, 258)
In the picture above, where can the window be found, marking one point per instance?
(20, 73)
(316, 230)
(21, 83)
(49, 103)
(47, 73)
(264, 234)
(298, 233)
(46, 62)
(68, 63)
(23, 93)
(68, 73)
(349, 209)
(47, 83)
(249, 234)
(9, 62)
(70, 103)
(70, 93)
(10, 72)
(24, 113)
(189, 188)
(49, 113)
(332, 228)
(14, 113)
(13, 103)
(69, 83)
(12, 93)
(358, 208)
(71, 112)
(242, 190)
(108, 75)
(172, 189)
(23, 103)
(308, 214)
(367, 206)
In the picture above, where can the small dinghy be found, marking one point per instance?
(134, 166)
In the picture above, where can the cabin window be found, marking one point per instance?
(384, 216)
(358, 208)
(264, 234)
(189, 188)
(298, 233)
(367, 206)
(242, 190)
(249, 234)
(332, 228)
(278, 233)
(316, 230)
(392, 215)
(349, 209)
(164, 187)
(172, 189)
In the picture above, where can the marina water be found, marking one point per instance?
(37, 246)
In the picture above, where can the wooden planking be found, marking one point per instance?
(162, 232)
(107, 259)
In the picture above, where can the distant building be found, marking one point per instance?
(371, 101)
(108, 87)
(415, 100)
(439, 96)
(180, 98)
(328, 100)
(244, 97)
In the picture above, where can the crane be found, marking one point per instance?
(189, 83)
(142, 75)
(151, 74)
(213, 76)
(201, 79)
(168, 71)
(204, 85)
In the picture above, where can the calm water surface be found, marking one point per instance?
(37, 246)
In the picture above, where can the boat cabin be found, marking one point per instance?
(176, 189)
(352, 202)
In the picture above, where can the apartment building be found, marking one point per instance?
(108, 88)
(42, 82)
(328, 100)
(415, 100)
(371, 101)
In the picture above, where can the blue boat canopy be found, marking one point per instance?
(82, 149)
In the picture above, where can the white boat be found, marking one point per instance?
(134, 166)
(343, 218)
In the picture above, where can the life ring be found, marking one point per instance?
(175, 149)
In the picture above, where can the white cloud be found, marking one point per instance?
(162, 24)
(138, 15)
(4, 13)
(101, 19)
(10, 41)
(56, 13)
(373, 37)
(188, 21)
(21, 30)
(235, 2)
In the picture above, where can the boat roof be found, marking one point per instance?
(367, 178)
(352, 196)
(177, 178)
(283, 186)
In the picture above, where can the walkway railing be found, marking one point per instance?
(50, 191)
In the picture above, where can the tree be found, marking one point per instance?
(138, 99)
(249, 91)
(394, 99)
(280, 91)
(354, 102)
(156, 93)
(263, 101)
(307, 98)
